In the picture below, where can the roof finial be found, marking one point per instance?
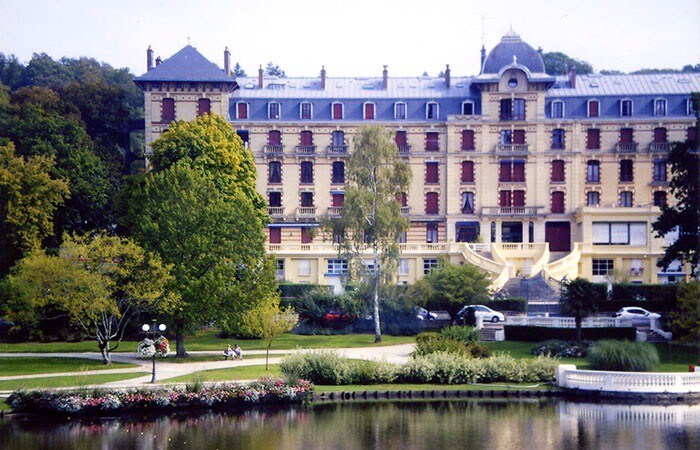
(188, 40)
(515, 59)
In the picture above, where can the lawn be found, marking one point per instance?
(209, 340)
(80, 380)
(32, 365)
(206, 358)
(234, 373)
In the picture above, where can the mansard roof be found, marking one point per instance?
(512, 50)
(187, 65)
(596, 85)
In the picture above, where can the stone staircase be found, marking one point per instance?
(534, 290)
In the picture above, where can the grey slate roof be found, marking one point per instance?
(596, 85)
(511, 45)
(186, 65)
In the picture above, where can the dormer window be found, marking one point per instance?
(337, 111)
(468, 108)
(432, 111)
(274, 110)
(306, 111)
(241, 110)
(400, 111)
(593, 108)
(626, 108)
(557, 109)
(689, 108)
(660, 107)
(369, 110)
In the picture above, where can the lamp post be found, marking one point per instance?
(146, 328)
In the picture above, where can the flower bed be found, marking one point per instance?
(101, 401)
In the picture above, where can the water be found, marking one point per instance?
(492, 424)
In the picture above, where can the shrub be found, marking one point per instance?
(323, 367)
(456, 340)
(371, 372)
(292, 290)
(537, 334)
(624, 356)
(461, 334)
(562, 349)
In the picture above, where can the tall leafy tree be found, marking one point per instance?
(371, 219)
(557, 63)
(274, 70)
(238, 71)
(268, 321)
(29, 198)
(685, 320)
(578, 300)
(684, 215)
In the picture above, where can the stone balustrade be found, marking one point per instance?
(634, 382)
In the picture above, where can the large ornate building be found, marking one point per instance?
(521, 173)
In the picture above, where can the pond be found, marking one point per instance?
(482, 423)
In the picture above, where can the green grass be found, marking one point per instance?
(431, 387)
(234, 373)
(32, 365)
(210, 341)
(4, 406)
(53, 382)
(208, 358)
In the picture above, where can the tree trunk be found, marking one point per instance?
(104, 351)
(377, 323)
(180, 344)
(578, 329)
(267, 356)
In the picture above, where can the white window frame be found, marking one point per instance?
(689, 107)
(301, 108)
(631, 195)
(342, 110)
(247, 109)
(403, 266)
(405, 111)
(660, 101)
(430, 264)
(437, 110)
(606, 264)
(304, 267)
(337, 266)
(374, 110)
(588, 198)
(468, 102)
(551, 109)
(622, 102)
(269, 110)
(588, 107)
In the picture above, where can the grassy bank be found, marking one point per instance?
(29, 365)
(71, 381)
(232, 374)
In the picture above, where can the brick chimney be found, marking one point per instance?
(447, 76)
(158, 61)
(149, 59)
(385, 78)
(227, 61)
(260, 78)
(572, 77)
(323, 77)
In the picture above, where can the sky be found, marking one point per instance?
(354, 37)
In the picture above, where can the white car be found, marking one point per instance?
(486, 313)
(423, 314)
(632, 312)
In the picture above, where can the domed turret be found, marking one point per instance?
(511, 50)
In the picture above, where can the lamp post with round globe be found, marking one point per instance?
(146, 328)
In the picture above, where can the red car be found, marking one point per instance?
(335, 316)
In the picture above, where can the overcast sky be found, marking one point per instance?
(354, 37)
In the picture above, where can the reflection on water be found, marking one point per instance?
(495, 424)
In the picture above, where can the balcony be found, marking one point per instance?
(305, 150)
(275, 212)
(337, 150)
(404, 150)
(629, 147)
(511, 210)
(335, 211)
(660, 147)
(512, 149)
(273, 150)
(306, 212)
(405, 210)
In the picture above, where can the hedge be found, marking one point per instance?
(516, 304)
(616, 305)
(292, 290)
(665, 293)
(539, 334)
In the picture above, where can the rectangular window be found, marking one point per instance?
(369, 111)
(660, 135)
(241, 110)
(505, 199)
(505, 137)
(167, 113)
(306, 111)
(468, 109)
(467, 203)
(337, 200)
(275, 235)
(432, 141)
(659, 199)
(626, 171)
(468, 140)
(304, 267)
(518, 109)
(626, 199)
(602, 267)
(245, 137)
(337, 111)
(557, 110)
(273, 110)
(518, 136)
(306, 172)
(519, 198)
(429, 264)
(432, 173)
(431, 203)
(399, 111)
(558, 139)
(592, 198)
(558, 175)
(337, 267)
(274, 138)
(431, 233)
(279, 263)
(274, 175)
(307, 199)
(518, 172)
(306, 235)
(593, 108)
(431, 111)
(620, 233)
(512, 109)
(274, 199)
(403, 266)
(660, 107)
(626, 108)
(626, 136)
(593, 139)
(338, 172)
(467, 171)
(593, 172)
(338, 138)
(659, 170)
(203, 106)
(505, 172)
(557, 202)
(401, 139)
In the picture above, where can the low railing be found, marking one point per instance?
(275, 211)
(273, 149)
(570, 322)
(335, 211)
(511, 210)
(340, 150)
(479, 246)
(404, 149)
(305, 149)
(659, 146)
(333, 248)
(638, 382)
(626, 147)
(405, 210)
(306, 211)
(490, 265)
(512, 148)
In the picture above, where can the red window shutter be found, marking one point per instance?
(504, 199)
(274, 138)
(557, 202)
(432, 142)
(432, 173)
(518, 136)
(626, 135)
(431, 203)
(337, 111)
(168, 110)
(593, 109)
(593, 139)
(203, 106)
(305, 235)
(242, 110)
(307, 138)
(557, 170)
(369, 110)
(275, 235)
(504, 174)
(518, 198)
(518, 171)
(467, 171)
(337, 200)
(692, 134)
(467, 140)
(660, 135)
(400, 139)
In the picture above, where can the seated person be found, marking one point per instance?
(238, 352)
(229, 352)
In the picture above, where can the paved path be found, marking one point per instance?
(397, 354)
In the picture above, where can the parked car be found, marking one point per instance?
(423, 314)
(336, 316)
(486, 313)
(633, 312)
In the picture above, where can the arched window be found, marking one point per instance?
(557, 109)
(337, 111)
(274, 110)
(557, 202)
(368, 111)
(468, 108)
(306, 111)
(432, 110)
(660, 107)
(626, 108)
(593, 108)
(241, 110)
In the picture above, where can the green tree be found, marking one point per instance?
(451, 286)
(100, 283)
(274, 70)
(684, 215)
(29, 198)
(685, 320)
(238, 71)
(268, 321)
(371, 219)
(557, 63)
(578, 300)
